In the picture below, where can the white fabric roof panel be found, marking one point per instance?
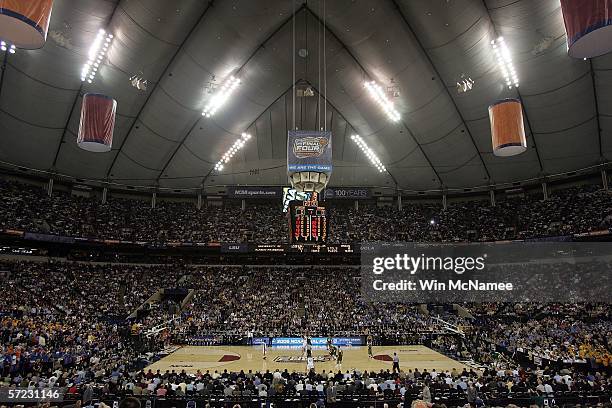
(31, 150)
(420, 46)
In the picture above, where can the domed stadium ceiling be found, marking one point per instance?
(419, 49)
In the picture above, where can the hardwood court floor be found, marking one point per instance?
(236, 358)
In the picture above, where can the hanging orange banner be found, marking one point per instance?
(25, 23)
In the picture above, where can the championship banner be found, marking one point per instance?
(291, 194)
(309, 150)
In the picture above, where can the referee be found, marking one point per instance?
(396, 363)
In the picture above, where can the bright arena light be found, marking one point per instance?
(504, 60)
(238, 144)
(97, 51)
(221, 96)
(6, 47)
(369, 153)
(378, 94)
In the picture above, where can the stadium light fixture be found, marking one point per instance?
(378, 94)
(221, 96)
(238, 144)
(4, 46)
(97, 51)
(369, 153)
(139, 82)
(464, 84)
(504, 61)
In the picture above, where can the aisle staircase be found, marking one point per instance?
(301, 305)
(159, 296)
(162, 326)
(449, 327)
(146, 305)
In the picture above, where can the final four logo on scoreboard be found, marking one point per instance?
(309, 147)
(309, 150)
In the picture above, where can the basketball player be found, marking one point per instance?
(369, 341)
(308, 347)
(339, 358)
(304, 344)
(310, 364)
(264, 349)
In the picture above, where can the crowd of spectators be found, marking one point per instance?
(55, 328)
(287, 301)
(77, 288)
(568, 211)
(64, 323)
(571, 210)
(576, 337)
(450, 386)
(319, 301)
(29, 208)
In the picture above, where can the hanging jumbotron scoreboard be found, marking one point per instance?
(309, 167)
(308, 221)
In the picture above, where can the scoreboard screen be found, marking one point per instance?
(307, 223)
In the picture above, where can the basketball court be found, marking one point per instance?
(236, 358)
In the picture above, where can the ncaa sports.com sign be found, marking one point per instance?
(253, 192)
